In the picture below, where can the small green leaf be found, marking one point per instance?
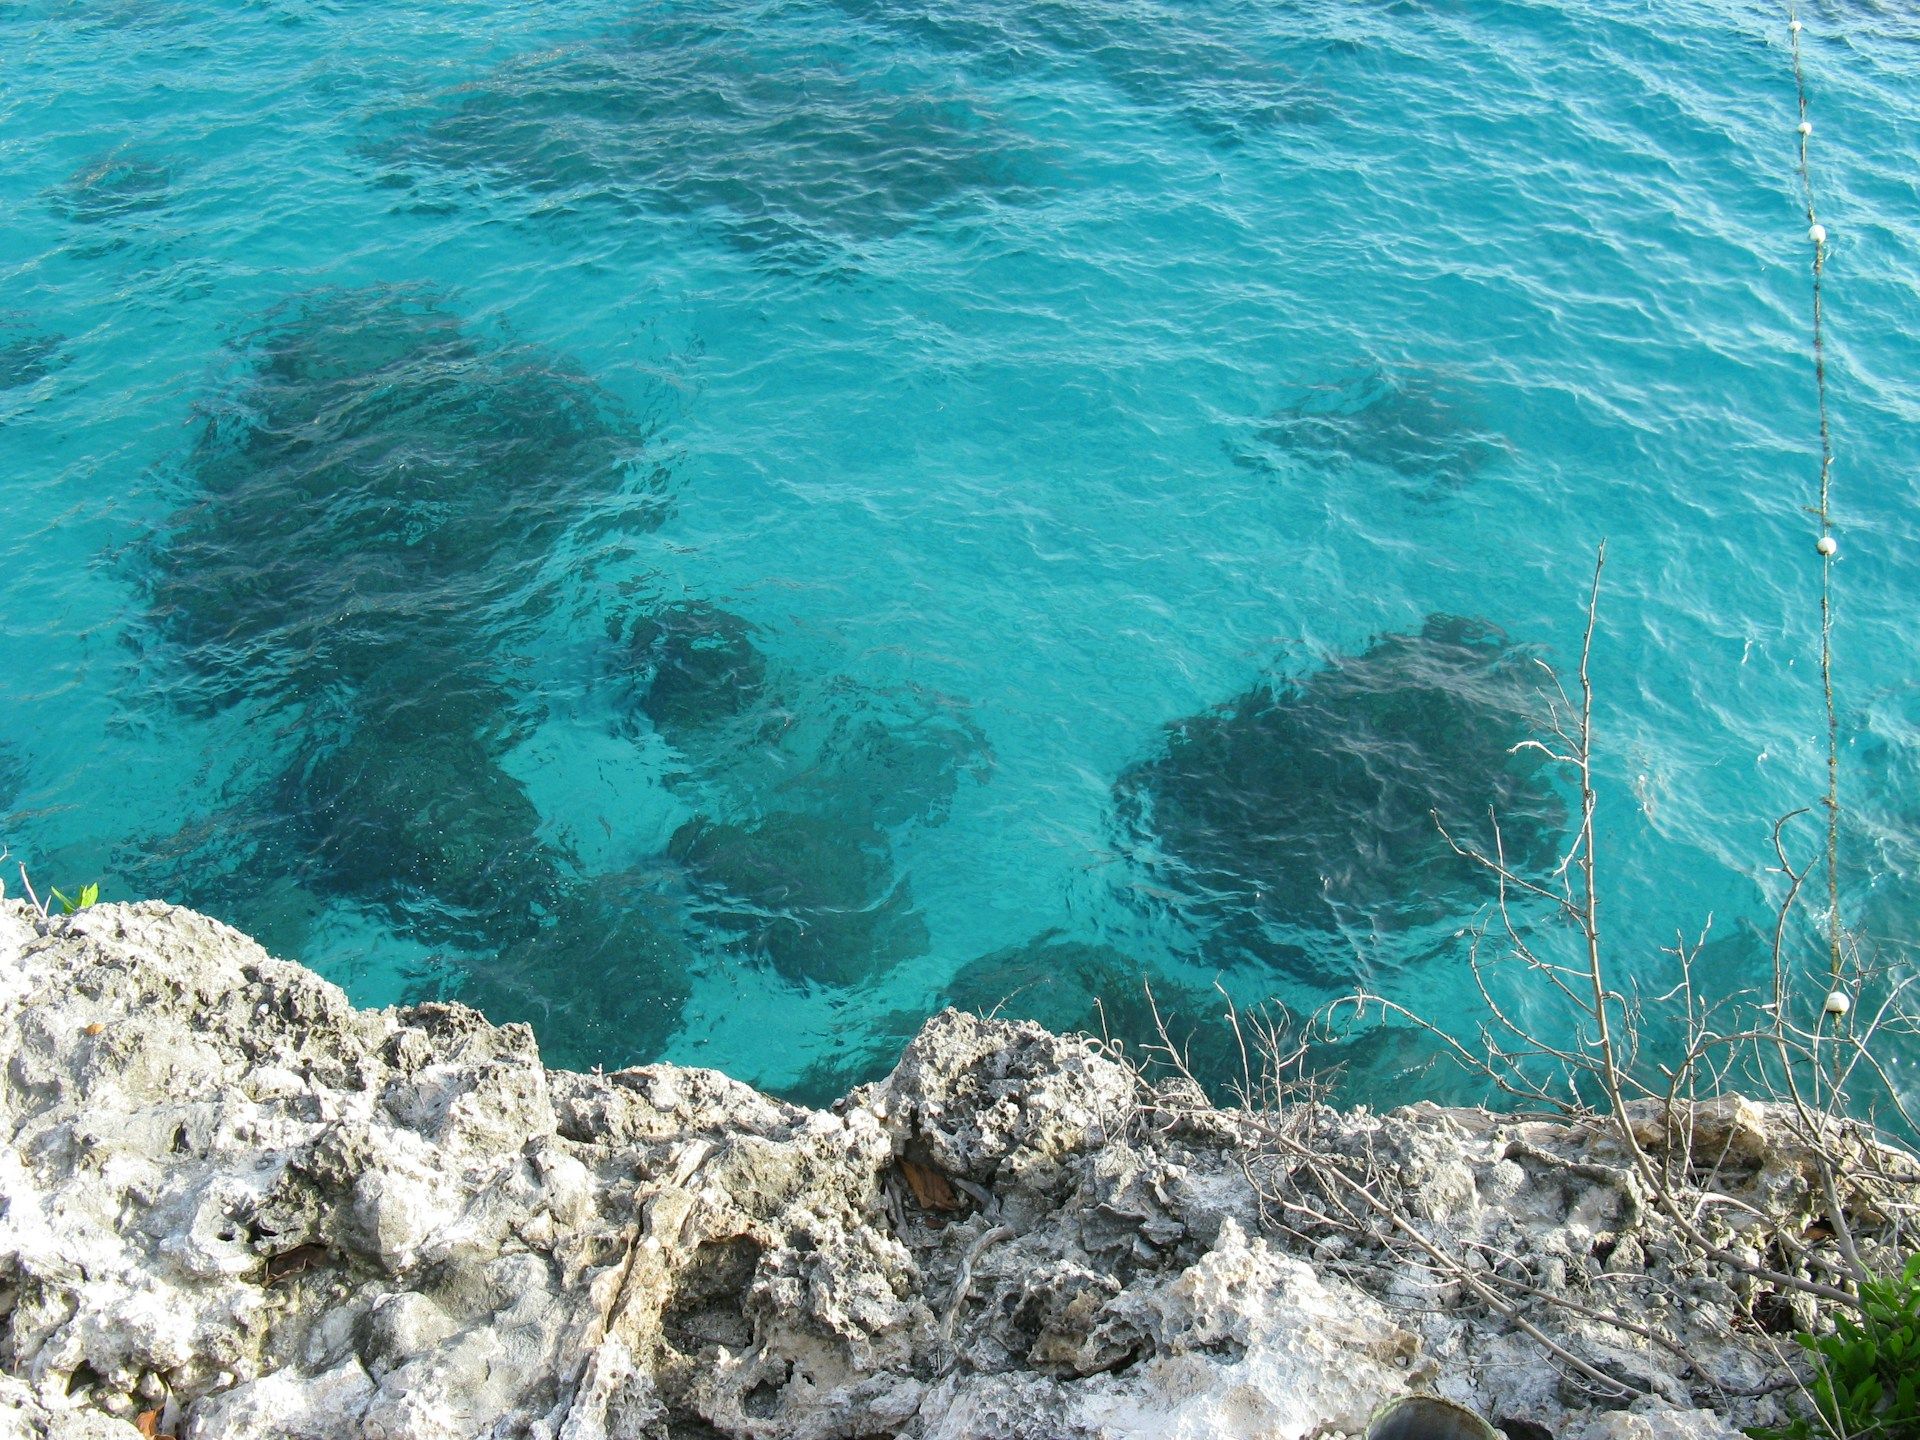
(68, 904)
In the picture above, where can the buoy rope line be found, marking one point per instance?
(1826, 546)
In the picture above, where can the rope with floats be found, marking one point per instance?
(1826, 546)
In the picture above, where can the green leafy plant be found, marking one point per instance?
(1866, 1379)
(87, 896)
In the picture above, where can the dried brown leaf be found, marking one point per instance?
(931, 1191)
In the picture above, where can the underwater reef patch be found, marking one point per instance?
(797, 782)
(890, 755)
(705, 115)
(379, 478)
(371, 511)
(112, 187)
(1422, 430)
(26, 354)
(758, 739)
(685, 665)
(1308, 803)
(1073, 987)
(1179, 60)
(602, 980)
(815, 896)
(412, 810)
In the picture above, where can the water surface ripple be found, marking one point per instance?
(718, 529)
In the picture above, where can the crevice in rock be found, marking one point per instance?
(708, 1304)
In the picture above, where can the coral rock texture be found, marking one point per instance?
(236, 1206)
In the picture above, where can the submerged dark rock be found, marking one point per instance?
(26, 354)
(705, 114)
(816, 896)
(1422, 429)
(757, 739)
(113, 187)
(1206, 67)
(602, 980)
(1076, 988)
(1309, 803)
(688, 664)
(381, 479)
(823, 772)
(889, 755)
(413, 811)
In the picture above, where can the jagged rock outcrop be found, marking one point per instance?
(235, 1206)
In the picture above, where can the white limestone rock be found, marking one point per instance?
(235, 1202)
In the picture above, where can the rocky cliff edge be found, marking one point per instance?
(236, 1206)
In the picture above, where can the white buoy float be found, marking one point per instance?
(1818, 234)
(1838, 1004)
(1827, 546)
(1806, 127)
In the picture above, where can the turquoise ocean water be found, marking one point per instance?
(717, 529)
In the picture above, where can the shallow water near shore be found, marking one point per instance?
(843, 498)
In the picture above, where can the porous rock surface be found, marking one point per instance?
(235, 1206)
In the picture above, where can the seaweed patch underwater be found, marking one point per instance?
(799, 783)
(382, 479)
(684, 665)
